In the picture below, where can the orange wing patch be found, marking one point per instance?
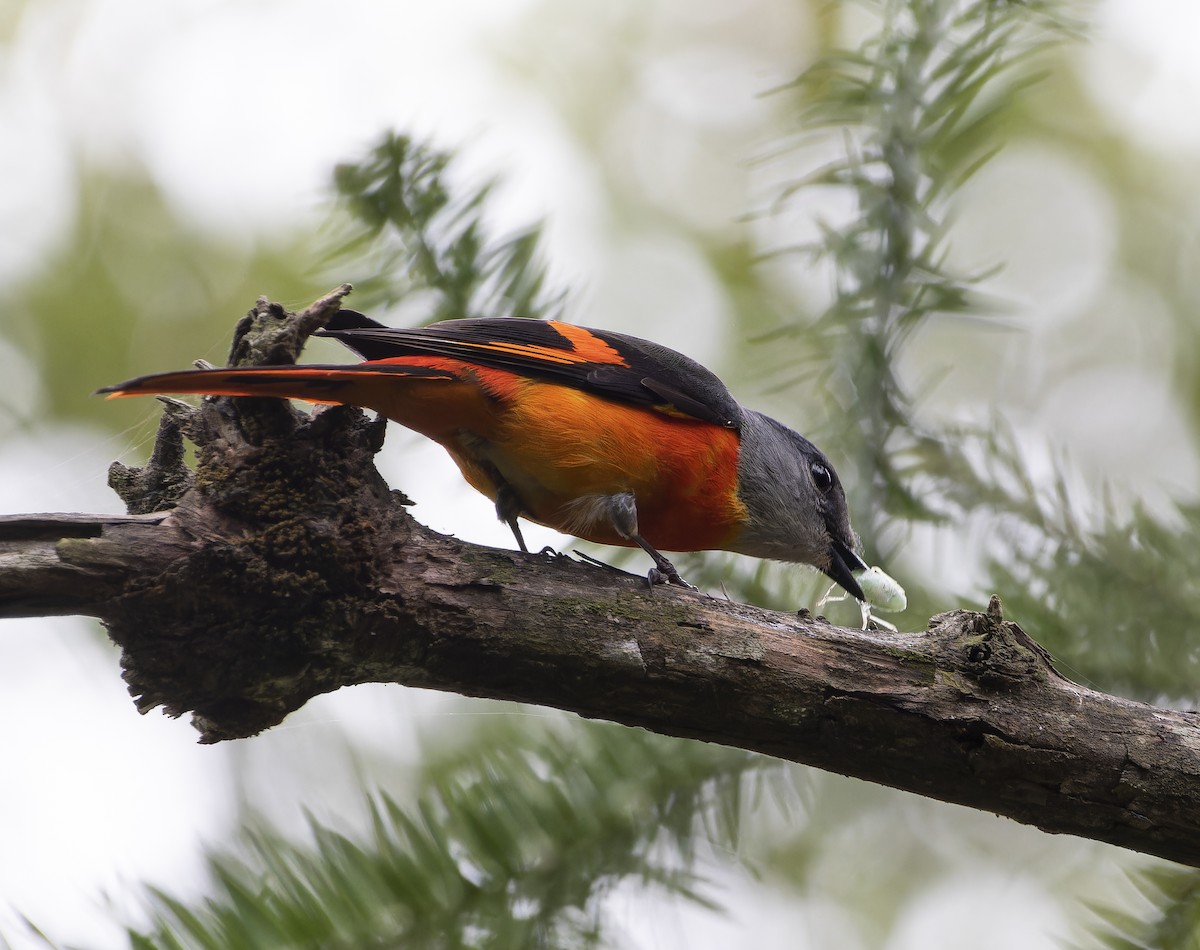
(587, 347)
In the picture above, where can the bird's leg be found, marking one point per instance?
(516, 530)
(622, 512)
(663, 572)
(508, 508)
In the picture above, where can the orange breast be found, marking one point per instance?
(554, 444)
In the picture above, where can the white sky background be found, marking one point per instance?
(94, 797)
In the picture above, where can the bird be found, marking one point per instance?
(598, 434)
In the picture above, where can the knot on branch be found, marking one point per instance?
(165, 478)
(271, 335)
(290, 526)
(995, 652)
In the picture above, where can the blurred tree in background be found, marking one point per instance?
(930, 250)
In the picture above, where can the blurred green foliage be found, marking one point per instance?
(130, 289)
(423, 246)
(512, 839)
(921, 101)
(1169, 917)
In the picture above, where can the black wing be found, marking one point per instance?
(614, 365)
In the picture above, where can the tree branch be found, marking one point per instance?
(288, 569)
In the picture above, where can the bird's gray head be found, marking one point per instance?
(796, 508)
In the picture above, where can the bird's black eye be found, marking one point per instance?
(821, 476)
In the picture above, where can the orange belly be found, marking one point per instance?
(554, 445)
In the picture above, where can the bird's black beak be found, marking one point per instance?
(842, 560)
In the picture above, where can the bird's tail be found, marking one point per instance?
(315, 383)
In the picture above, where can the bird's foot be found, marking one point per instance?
(665, 573)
